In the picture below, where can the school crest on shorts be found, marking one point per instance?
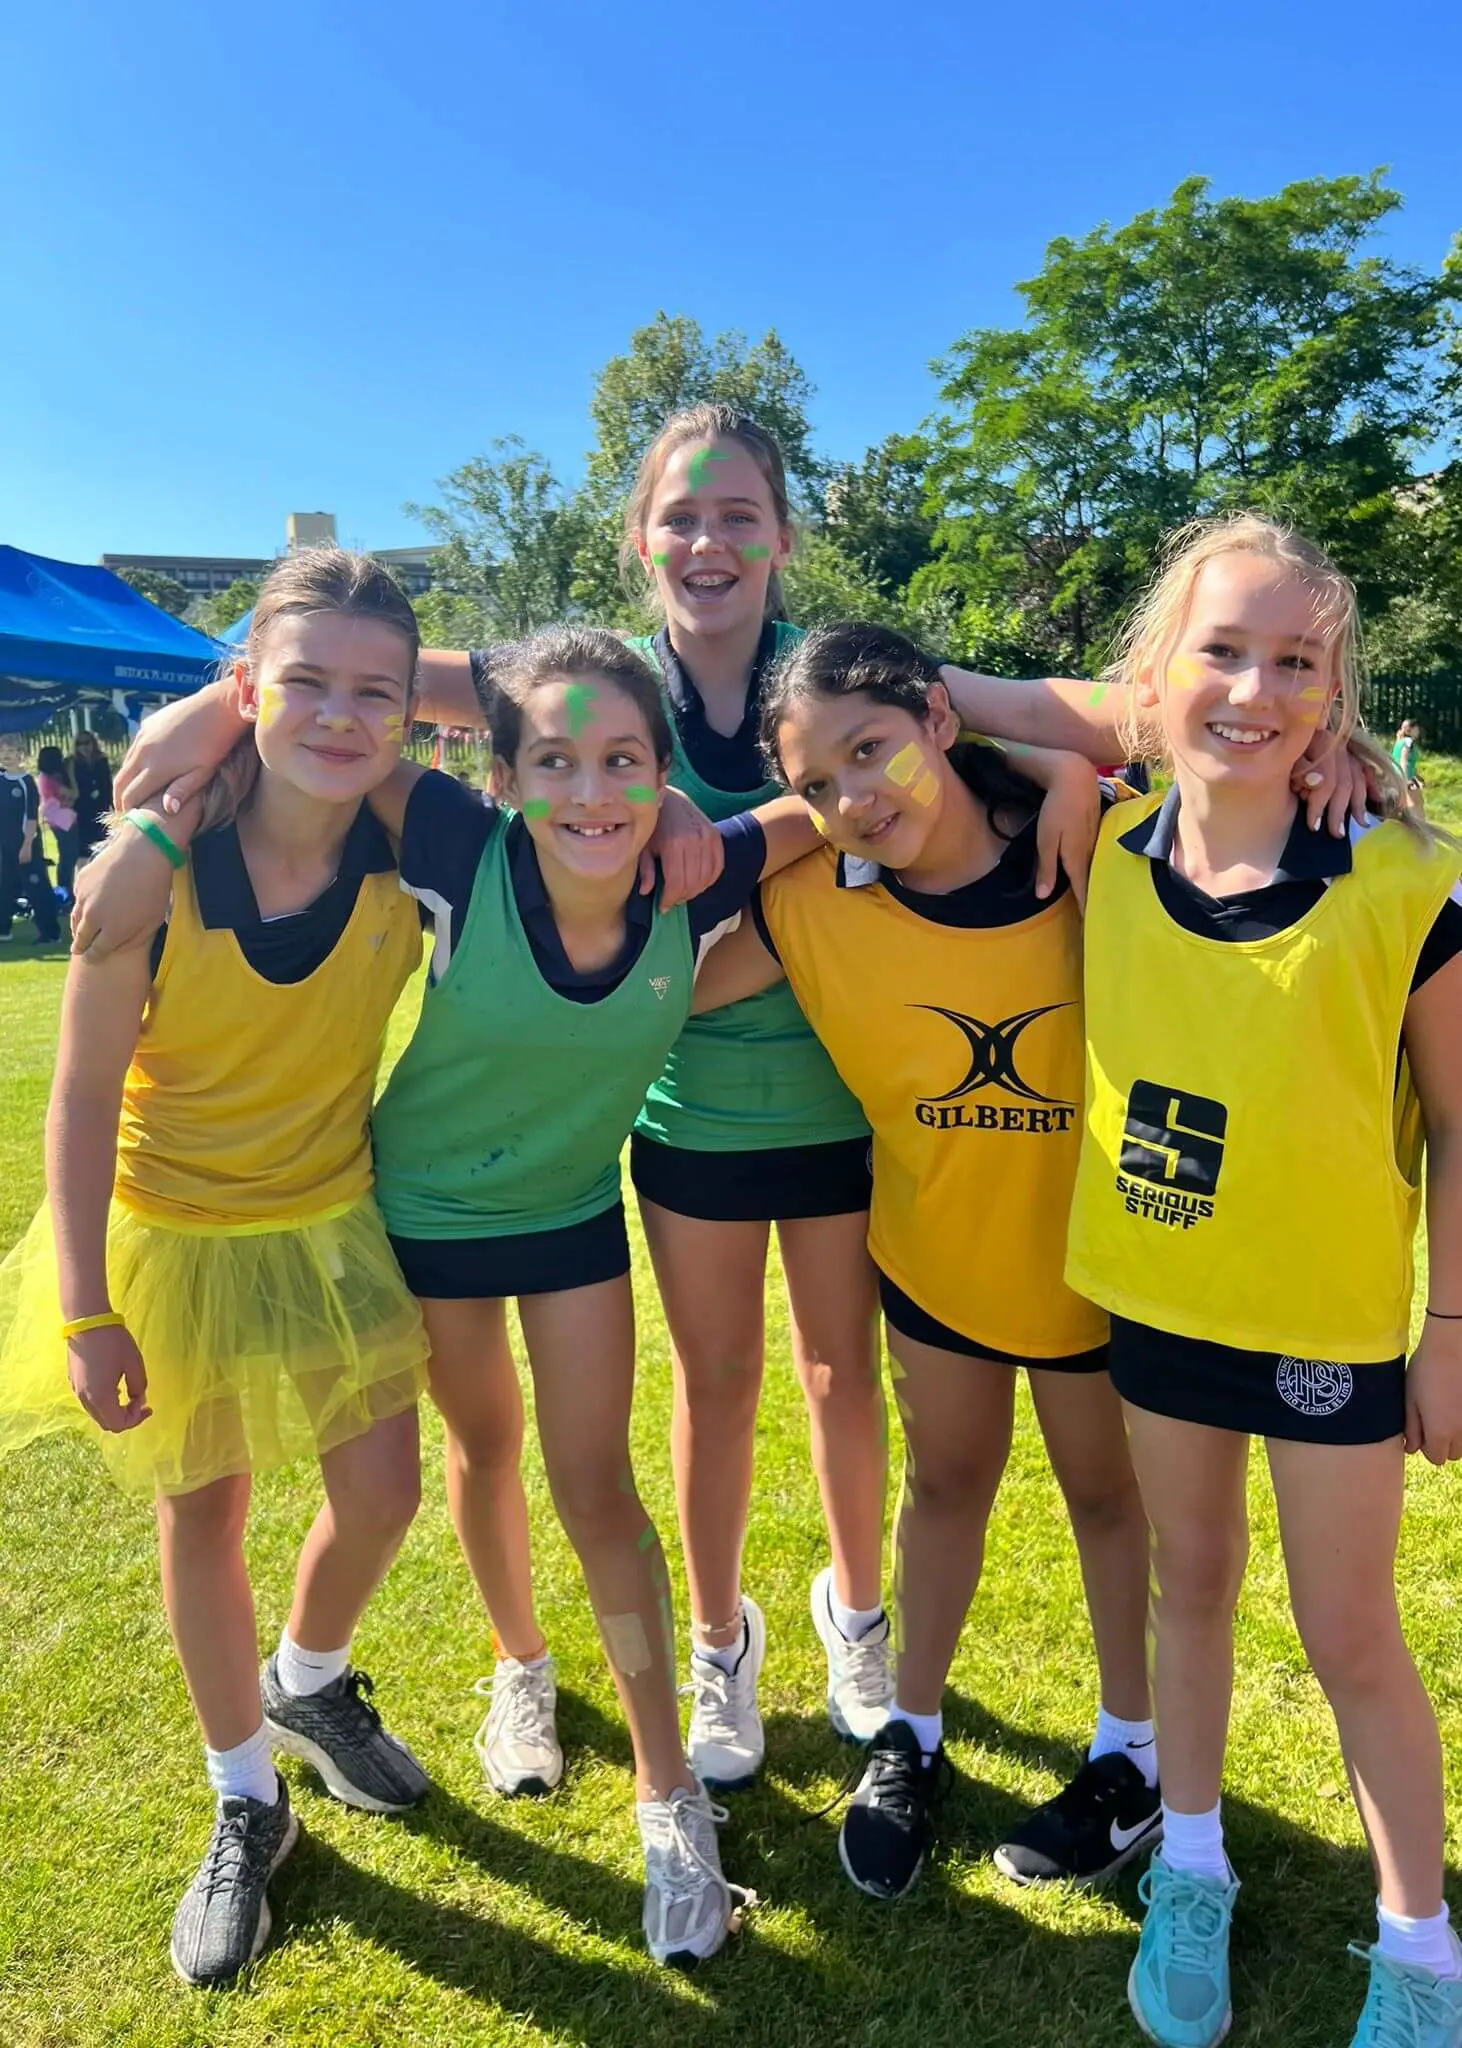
(1314, 1386)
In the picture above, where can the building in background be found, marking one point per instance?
(206, 575)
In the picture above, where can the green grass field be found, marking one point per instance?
(479, 1921)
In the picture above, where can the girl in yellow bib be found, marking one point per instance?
(1241, 971)
(209, 1282)
(948, 994)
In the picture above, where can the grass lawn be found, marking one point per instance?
(478, 1920)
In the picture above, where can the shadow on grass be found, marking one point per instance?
(22, 946)
(820, 1962)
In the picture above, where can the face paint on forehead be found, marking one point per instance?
(579, 700)
(698, 469)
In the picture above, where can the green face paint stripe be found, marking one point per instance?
(1098, 691)
(659, 560)
(641, 793)
(756, 553)
(537, 807)
(698, 469)
(579, 703)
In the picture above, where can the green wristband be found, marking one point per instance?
(148, 826)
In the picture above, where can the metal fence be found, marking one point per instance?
(1434, 701)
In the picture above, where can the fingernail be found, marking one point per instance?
(1313, 779)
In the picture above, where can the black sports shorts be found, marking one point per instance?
(776, 1184)
(1258, 1393)
(501, 1268)
(910, 1320)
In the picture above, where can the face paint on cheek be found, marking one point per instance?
(756, 553)
(1185, 672)
(579, 700)
(272, 700)
(1314, 698)
(393, 725)
(640, 793)
(907, 771)
(537, 807)
(699, 467)
(659, 561)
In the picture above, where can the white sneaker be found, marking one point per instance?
(859, 1675)
(517, 1744)
(689, 1907)
(726, 1745)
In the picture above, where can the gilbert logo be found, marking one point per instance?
(659, 983)
(992, 1051)
(1172, 1154)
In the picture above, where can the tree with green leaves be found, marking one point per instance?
(669, 365)
(508, 535)
(164, 591)
(217, 613)
(1210, 354)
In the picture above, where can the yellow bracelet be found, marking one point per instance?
(79, 1325)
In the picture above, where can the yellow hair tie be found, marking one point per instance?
(79, 1325)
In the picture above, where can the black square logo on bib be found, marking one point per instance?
(1173, 1138)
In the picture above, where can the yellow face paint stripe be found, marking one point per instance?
(904, 766)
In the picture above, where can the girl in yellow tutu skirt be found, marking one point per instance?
(208, 1290)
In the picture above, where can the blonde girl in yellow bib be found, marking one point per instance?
(1243, 977)
(209, 1290)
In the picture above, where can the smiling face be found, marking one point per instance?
(873, 775)
(711, 538)
(584, 776)
(1251, 676)
(329, 695)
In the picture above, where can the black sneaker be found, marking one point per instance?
(223, 1921)
(1107, 1815)
(340, 1733)
(887, 1829)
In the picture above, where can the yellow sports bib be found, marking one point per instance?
(247, 1102)
(964, 1047)
(1250, 1169)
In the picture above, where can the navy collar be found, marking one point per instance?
(226, 900)
(681, 684)
(1307, 857)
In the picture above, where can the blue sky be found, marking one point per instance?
(306, 255)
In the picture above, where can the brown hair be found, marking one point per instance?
(711, 421)
(576, 651)
(326, 579)
(1150, 634)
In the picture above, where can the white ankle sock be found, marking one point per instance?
(727, 1655)
(1194, 1842)
(1132, 1739)
(851, 1623)
(1429, 1943)
(303, 1672)
(928, 1727)
(246, 1771)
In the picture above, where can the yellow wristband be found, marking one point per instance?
(79, 1325)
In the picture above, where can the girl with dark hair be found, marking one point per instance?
(948, 995)
(92, 774)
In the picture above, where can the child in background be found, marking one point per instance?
(58, 812)
(209, 1282)
(1279, 969)
(23, 872)
(949, 995)
(1405, 752)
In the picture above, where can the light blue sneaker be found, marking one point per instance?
(1407, 2006)
(1179, 1987)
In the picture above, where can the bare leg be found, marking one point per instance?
(957, 1414)
(1192, 1480)
(1339, 1516)
(475, 1385)
(833, 1292)
(581, 1344)
(372, 1491)
(711, 1278)
(1086, 1440)
(205, 1587)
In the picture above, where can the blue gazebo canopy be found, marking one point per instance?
(69, 624)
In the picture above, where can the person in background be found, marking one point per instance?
(92, 774)
(21, 872)
(57, 788)
(1405, 752)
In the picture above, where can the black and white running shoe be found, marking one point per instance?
(223, 1921)
(888, 1827)
(1107, 1815)
(339, 1731)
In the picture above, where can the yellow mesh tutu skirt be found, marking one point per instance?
(260, 1347)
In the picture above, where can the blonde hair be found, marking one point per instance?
(1146, 641)
(711, 421)
(324, 579)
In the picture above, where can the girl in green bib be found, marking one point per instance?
(558, 990)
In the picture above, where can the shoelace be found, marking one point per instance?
(866, 1664)
(1195, 1920)
(357, 1688)
(687, 1866)
(228, 1852)
(710, 1691)
(1401, 2005)
(520, 1700)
